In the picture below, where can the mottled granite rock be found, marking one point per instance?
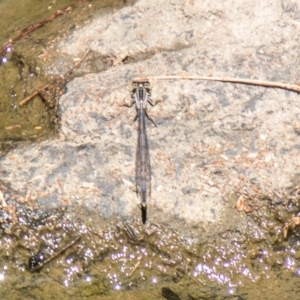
(213, 139)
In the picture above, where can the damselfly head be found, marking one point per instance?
(143, 83)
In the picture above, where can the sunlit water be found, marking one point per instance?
(131, 260)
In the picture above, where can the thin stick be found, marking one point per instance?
(134, 268)
(86, 53)
(35, 93)
(280, 85)
(56, 254)
(38, 91)
(36, 26)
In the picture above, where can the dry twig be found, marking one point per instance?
(281, 85)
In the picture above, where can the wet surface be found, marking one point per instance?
(32, 62)
(58, 252)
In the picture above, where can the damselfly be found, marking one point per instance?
(141, 95)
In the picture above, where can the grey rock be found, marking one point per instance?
(213, 139)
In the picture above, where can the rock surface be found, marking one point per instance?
(213, 139)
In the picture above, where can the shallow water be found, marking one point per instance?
(124, 259)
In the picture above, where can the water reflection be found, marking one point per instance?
(107, 258)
